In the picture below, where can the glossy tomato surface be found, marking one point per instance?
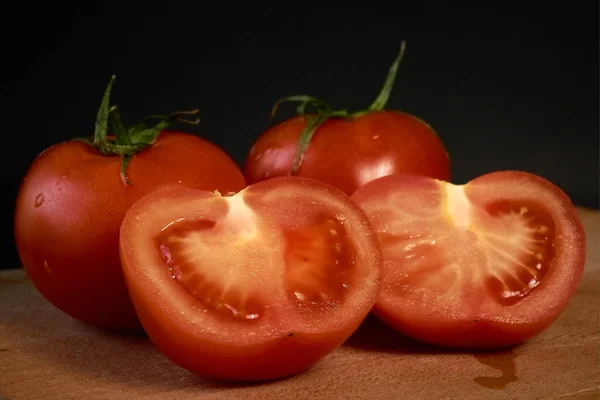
(348, 153)
(253, 286)
(70, 207)
(487, 264)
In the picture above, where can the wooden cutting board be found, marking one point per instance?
(47, 355)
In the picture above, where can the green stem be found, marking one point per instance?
(129, 141)
(384, 95)
(102, 117)
(324, 112)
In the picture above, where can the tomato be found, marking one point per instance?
(490, 263)
(72, 201)
(253, 286)
(347, 150)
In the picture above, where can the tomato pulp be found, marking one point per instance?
(487, 264)
(257, 285)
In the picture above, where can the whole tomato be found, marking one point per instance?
(74, 197)
(345, 149)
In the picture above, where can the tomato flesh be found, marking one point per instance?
(257, 285)
(185, 251)
(490, 263)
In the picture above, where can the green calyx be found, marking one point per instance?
(324, 112)
(128, 141)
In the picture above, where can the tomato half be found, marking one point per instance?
(253, 286)
(490, 263)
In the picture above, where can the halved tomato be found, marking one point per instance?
(257, 285)
(486, 264)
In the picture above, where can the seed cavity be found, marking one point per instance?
(319, 258)
(519, 251)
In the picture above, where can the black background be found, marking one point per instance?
(506, 88)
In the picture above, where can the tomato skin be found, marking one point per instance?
(482, 323)
(348, 153)
(286, 340)
(71, 204)
(272, 360)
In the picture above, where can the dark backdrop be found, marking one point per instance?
(506, 88)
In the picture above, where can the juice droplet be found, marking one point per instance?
(39, 200)
(504, 362)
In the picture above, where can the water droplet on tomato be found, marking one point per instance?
(39, 200)
(252, 150)
(341, 218)
(300, 296)
(175, 273)
(166, 254)
(237, 313)
(47, 267)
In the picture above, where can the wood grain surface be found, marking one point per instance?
(47, 355)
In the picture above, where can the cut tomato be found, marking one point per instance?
(487, 264)
(258, 285)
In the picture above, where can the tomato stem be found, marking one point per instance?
(129, 141)
(384, 95)
(324, 112)
(102, 117)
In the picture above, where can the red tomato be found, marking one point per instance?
(487, 264)
(253, 286)
(70, 207)
(347, 153)
(347, 150)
